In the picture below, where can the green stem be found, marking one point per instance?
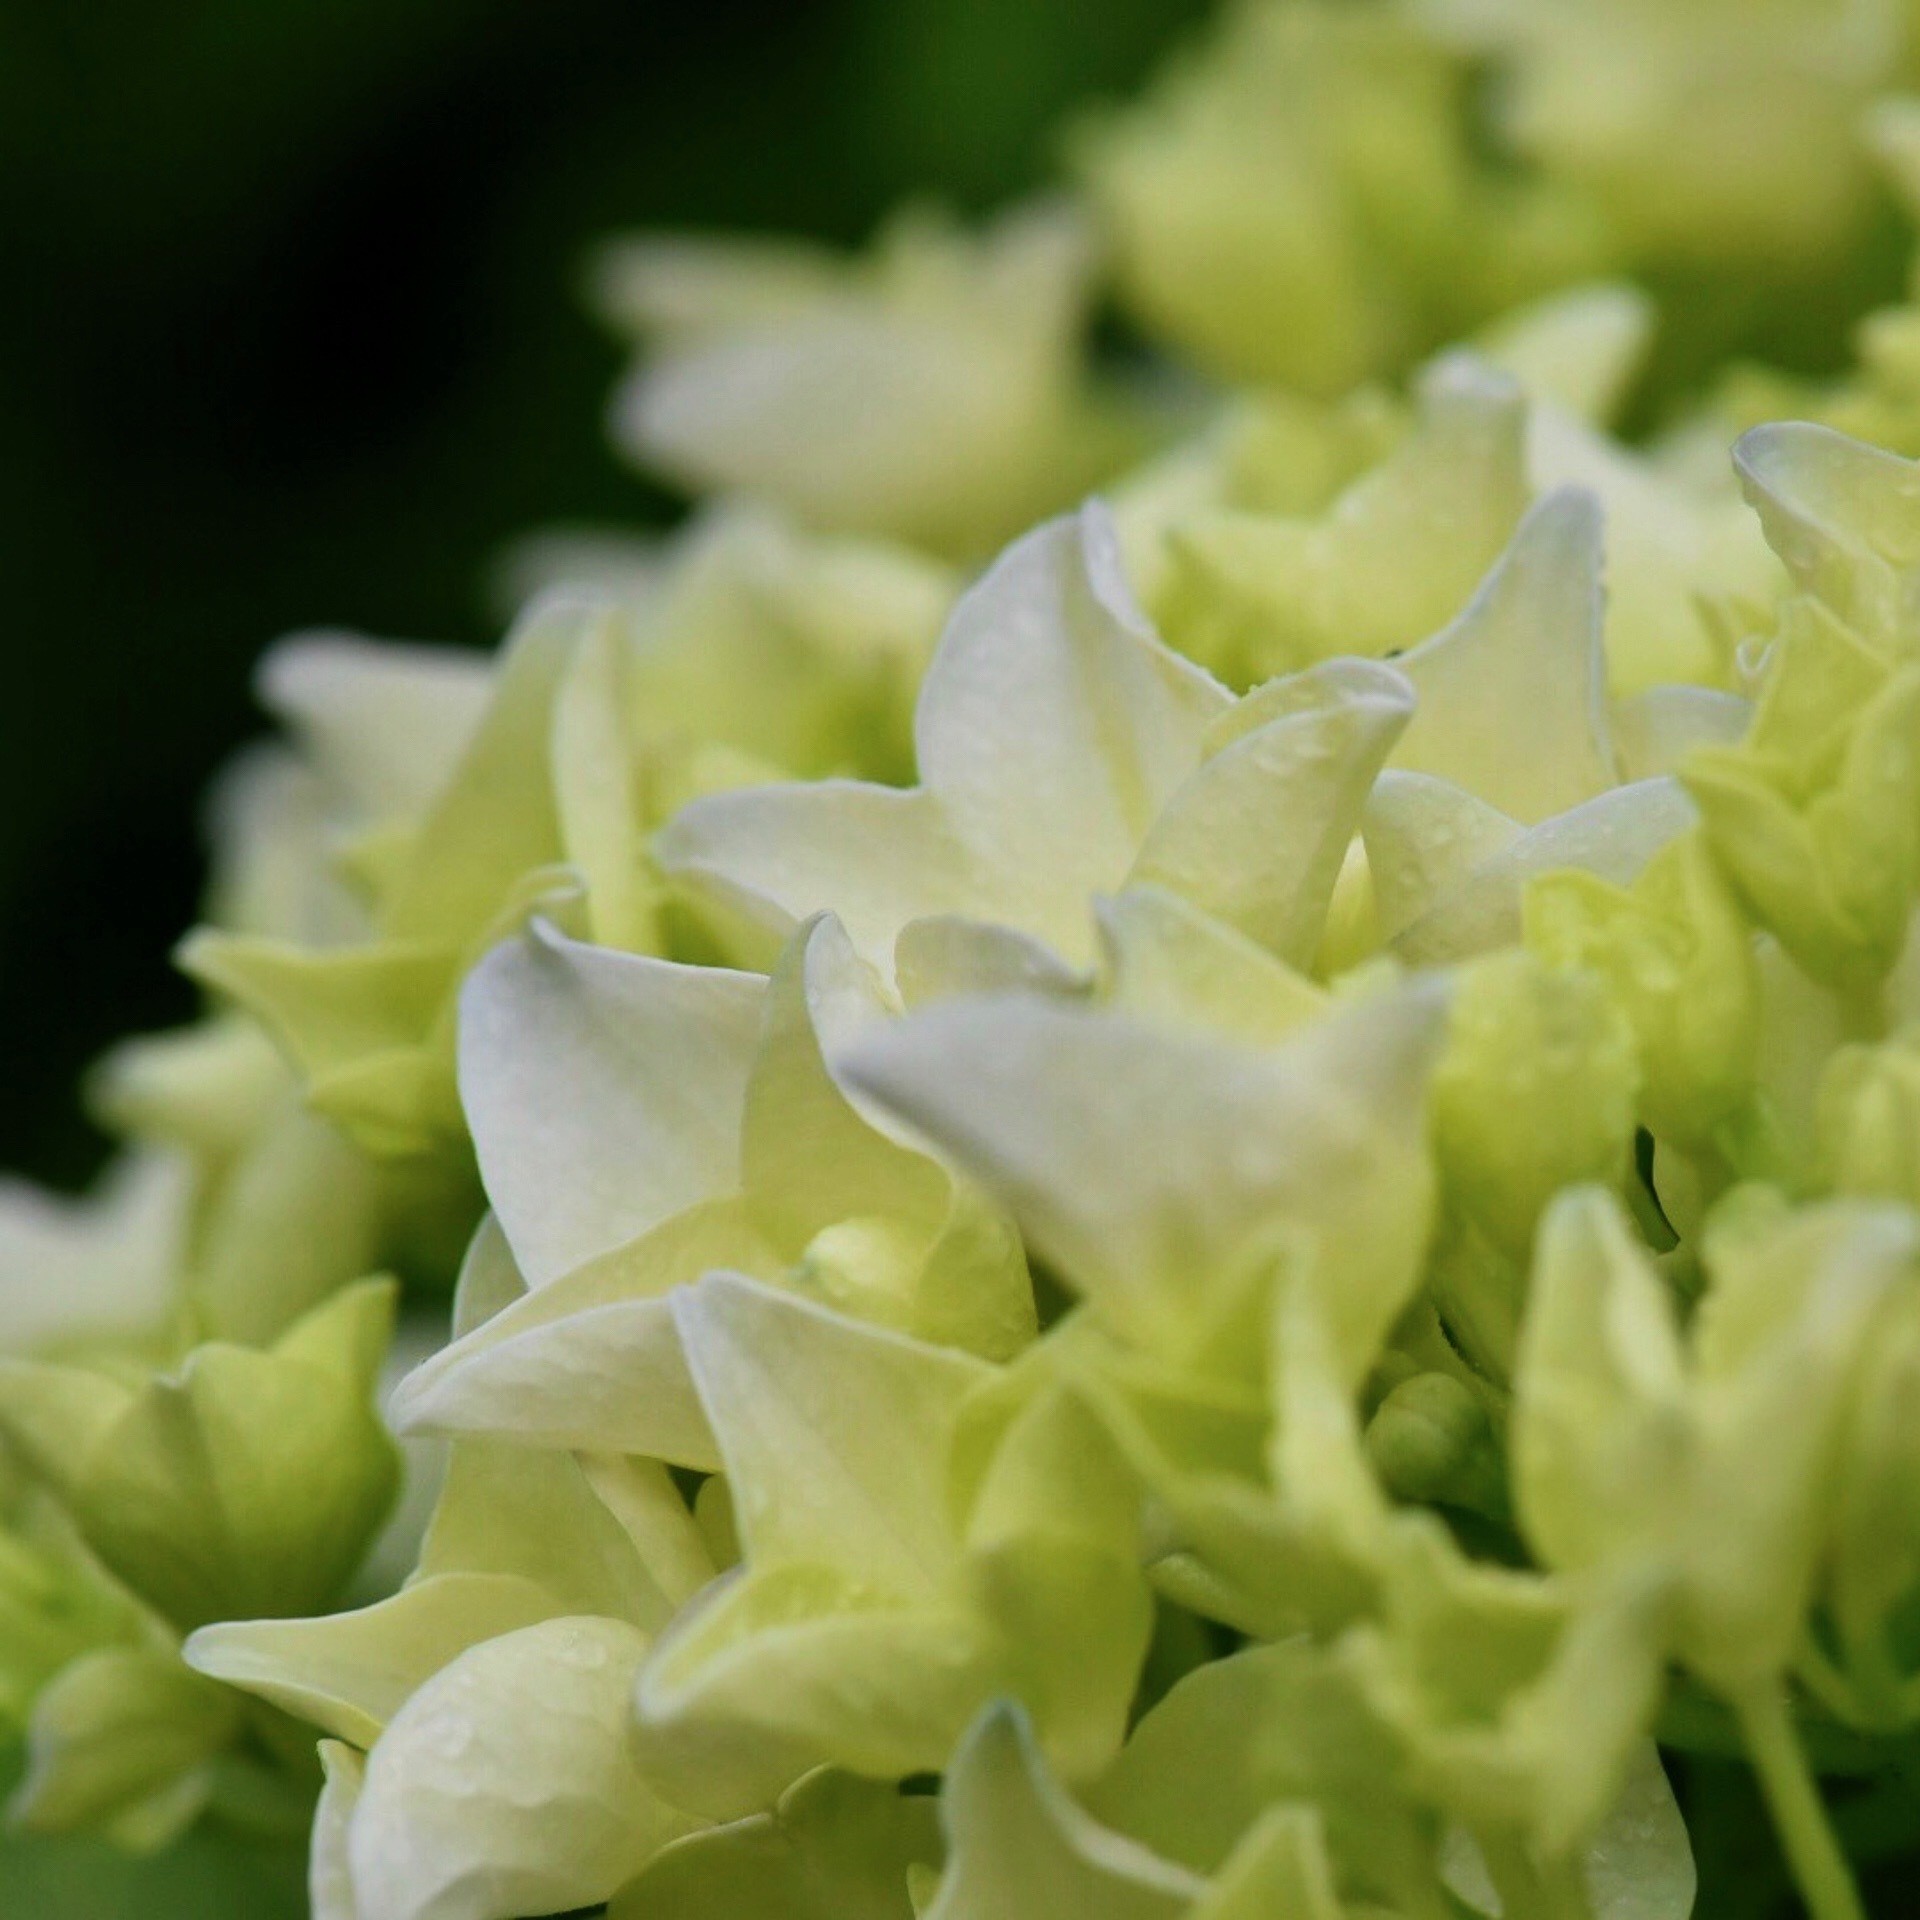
(1693, 1721)
(1820, 1869)
(1826, 1683)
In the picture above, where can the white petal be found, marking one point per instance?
(504, 1786)
(106, 1265)
(1653, 730)
(1141, 1161)
(1424, 836)
(1258, 834)
(764, 859)
(384, 724)
(1053, 724)
(604, 1090)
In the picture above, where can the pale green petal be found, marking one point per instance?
(1517, 1704)
(1801, 1025)
(1712, 138)
(1536, 1091)
(55, 1605)
(1052, 727)
(592, 1360)
(761, 861)
(329, 1876)
(1321, 1346)
(204, 1087)
(824, 391)
(503, 1786)
(278, 867)
(1052, 723)
(1638, 1866)
(604, 1090)
(1020, 1849)
(787, 649)
(384, 725)
(1876, 1552)
(120, 1742)
(1391, 560)
(1677, 954)
(1655, 729)
(1679, 542)
(1226, 1547)
(1140, 1160)
(1600, 1427)
(495, 819)
(1257, 835)
(684, 285)
(298, 1213)
(104, 1267)
(1054, 1545)
(1279, 1726)
(1613, 835)
(1581, 349)
(327, 1007)
(349, 1673)
(488, 1281)
(835, 1848)
(943, 955)
(863, 1631)
(808, 1158)
(1279, 1872)
(354, 1022)
(1819, 835)
(834, 1435)
(534, 1515)
(246, 1483)
(1512, 696)
(672, 1541)
(1868, 1143)
(771, 1675)
(1840, 514)
(1717, 1475)
(1166, 960)
(1424, 839)
(596, 790)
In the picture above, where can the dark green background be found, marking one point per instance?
(290, 335)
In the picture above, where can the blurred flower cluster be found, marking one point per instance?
(1207, 1209)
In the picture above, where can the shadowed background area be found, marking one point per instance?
(292, 337)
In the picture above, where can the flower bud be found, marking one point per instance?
(247, 1483)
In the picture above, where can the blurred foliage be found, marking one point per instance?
(292, 338)
(211, 1875)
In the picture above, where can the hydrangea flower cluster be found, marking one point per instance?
(1185, 1114)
